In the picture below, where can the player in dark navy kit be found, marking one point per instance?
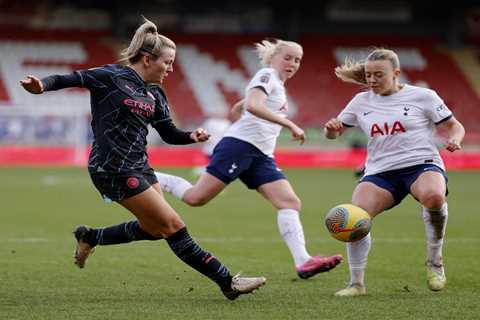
(125, 99)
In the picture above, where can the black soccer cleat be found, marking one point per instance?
(83, 250)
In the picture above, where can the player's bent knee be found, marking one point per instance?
(433, 201)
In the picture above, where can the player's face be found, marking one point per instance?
(381, 77)
(287, 61)
(160, 68)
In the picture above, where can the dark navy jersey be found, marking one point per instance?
(122, 107)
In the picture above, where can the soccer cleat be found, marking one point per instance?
(243, 285)
(436, 279)
(353, 290)
(318, 264)
(83, 249)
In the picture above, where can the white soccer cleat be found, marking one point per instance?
(353, 290)
(436, 279)
(242, 285)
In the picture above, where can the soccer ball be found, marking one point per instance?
(348, 223)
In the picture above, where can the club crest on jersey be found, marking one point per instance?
(387, 129)
(265, 78)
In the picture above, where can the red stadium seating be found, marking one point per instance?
(211, 72)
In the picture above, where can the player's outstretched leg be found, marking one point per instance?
(318, 264)
(177, 186)
(88, 238)
(242, 285)
(189, 252)
(83, 250)
(291, 230)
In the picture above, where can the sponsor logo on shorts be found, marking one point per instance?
(132, 182)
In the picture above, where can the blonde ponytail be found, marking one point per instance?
(354, 71)
(146, 40)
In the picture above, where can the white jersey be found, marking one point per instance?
(399, 127)
(259, 132)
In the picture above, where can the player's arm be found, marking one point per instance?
(237, 110)
(455, 132)
(255, 103)
(55, 82)
(172, 135)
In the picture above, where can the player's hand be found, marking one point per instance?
(32, 84)
(334, 125)
(333, 128)
(453, 145)
(200, 135)
(297, 134)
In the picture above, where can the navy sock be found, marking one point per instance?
(189, 252)
(121, 233)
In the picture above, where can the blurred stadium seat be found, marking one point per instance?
(213, 68)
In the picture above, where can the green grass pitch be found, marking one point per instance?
(145, 280)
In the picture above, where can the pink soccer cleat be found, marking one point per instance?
(318, 264)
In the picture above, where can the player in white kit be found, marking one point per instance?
(246, 152)
(402, 158)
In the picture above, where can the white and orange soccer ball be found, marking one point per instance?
(348, 223)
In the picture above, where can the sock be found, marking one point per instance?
(177, 186)
(121, 233)
(357, 259)
(189, 252)
(291, 231)
(435, 225)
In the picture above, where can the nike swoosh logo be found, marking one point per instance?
(367, 113)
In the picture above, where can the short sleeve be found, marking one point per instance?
(435, 108)
(347, 116)
(263, 79)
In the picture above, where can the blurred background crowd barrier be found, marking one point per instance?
(215, 61)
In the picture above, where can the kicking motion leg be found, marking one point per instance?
(280, 193)
(87, 238)
(205, 189)
(160, 220)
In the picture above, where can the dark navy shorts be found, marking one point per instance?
(116, 187)
(233, 158)
(398, 182)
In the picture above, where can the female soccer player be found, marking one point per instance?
(125, 99)
(399, 120)
(246, 152)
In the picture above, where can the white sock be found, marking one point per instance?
(357, 259)
(291, 231)
(435, 225)
(175, 185)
